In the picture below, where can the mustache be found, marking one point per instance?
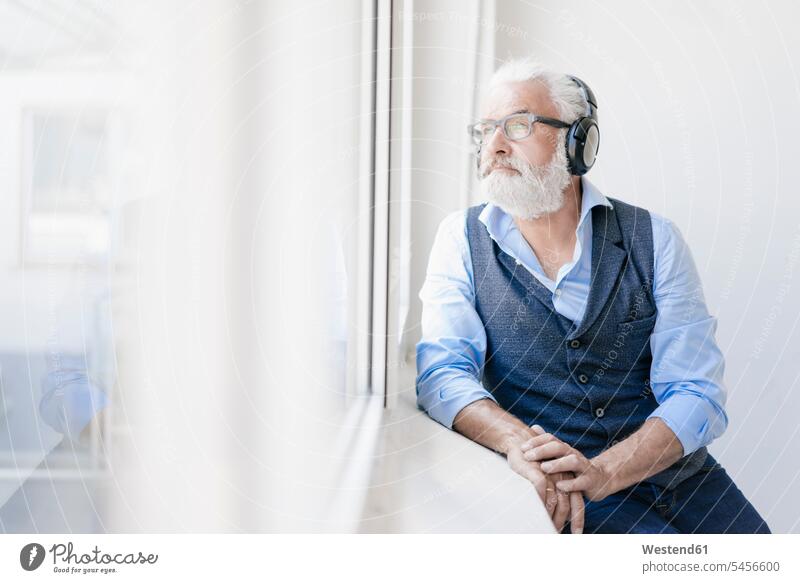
(511, 162)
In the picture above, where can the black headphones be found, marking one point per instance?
(583, 136)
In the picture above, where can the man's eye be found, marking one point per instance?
(517, 127)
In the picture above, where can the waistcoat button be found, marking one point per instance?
(583, 378)
(599, 412)
(575, 343)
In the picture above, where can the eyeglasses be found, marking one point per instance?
(516, 126)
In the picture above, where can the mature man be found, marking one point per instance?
(568, 330)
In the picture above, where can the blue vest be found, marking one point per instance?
(588, 385)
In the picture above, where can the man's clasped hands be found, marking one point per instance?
(562, 476)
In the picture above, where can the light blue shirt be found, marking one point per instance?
(687, 371)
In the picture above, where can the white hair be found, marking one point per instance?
(564, 92)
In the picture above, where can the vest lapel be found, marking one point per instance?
(521, 273)
(608, 258)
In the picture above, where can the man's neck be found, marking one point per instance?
(556, 230)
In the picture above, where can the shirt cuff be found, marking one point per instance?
(694, 420)
(447, 403)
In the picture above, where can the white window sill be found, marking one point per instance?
(427, 478)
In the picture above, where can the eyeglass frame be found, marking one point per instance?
(532, 119)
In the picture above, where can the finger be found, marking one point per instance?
(577, 512)
(548, 451)
(540, 483)
(578, 484)
(538, 440)
(568, 463)
(551, 500)
(562, 510)
(536, 428)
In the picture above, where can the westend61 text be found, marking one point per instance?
(675, 550)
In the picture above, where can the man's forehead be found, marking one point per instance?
(507, 98)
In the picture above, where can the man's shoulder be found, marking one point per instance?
(451, 234)
(665, 233)
(475, 211)
(454, 222)
(479, 206)
(662, 226)
(620, 205)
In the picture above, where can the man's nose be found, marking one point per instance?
(497, 144)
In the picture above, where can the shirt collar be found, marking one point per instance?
(498, 222)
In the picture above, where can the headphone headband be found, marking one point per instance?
(588, 95)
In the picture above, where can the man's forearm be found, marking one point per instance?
(652, 448)
(487, 423)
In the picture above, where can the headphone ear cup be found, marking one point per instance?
(583, 143)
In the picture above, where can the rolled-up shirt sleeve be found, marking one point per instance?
(688, 367)
(451, 351)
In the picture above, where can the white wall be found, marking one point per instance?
(697, 105)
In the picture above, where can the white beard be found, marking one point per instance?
(534, 192)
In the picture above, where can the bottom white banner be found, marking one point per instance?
(302, 557)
